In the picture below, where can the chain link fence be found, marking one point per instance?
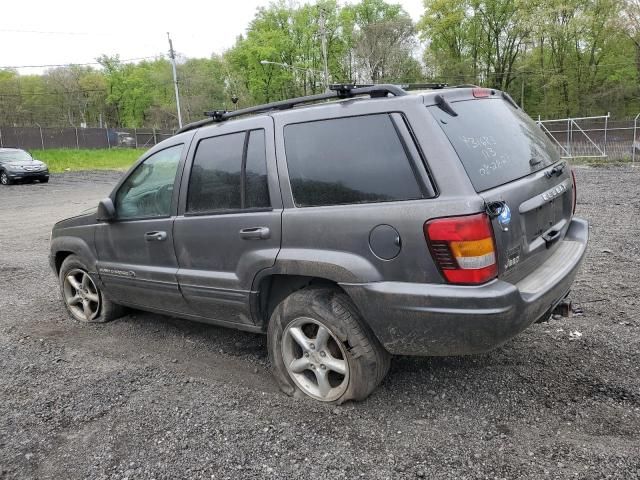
(594, 137)
(34, 138)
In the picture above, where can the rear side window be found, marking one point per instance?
(496, 143)
(229, 173)
(348, 160)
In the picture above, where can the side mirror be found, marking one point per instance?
(106, 210)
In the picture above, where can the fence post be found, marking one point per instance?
(606, 125)
(155, 139)
(108, 140)
(77, 142)
(135, 134)
(41, 137)
(0, 138)
(633, 145)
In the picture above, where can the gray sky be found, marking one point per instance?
(44, 32)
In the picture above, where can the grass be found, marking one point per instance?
(64, 159)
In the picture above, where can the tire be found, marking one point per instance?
(347, 345)
(44, 180)
(84, 301)
(4, 179)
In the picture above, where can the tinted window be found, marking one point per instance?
(148, 191)
(348, 160)
(495, 142)
(215, 176)
(256, 189)
(217, 182)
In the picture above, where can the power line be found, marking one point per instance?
(159, 55)
(41, 32)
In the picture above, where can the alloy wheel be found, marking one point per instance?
(81, 295)
(315, 359)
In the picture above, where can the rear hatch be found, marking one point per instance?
(516, 170)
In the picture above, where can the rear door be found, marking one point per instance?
(229, 223)
(517, 171)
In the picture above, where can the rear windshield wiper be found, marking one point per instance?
(444, 105)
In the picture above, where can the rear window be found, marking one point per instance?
(348, 160)
(496, 143)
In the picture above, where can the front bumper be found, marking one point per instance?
(437, 319)
(24, 175)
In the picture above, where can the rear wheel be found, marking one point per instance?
(319, 347)
(4, 178)
(82, 297)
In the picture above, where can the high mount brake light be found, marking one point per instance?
(482, 92)
(574, 195)
(463, 248)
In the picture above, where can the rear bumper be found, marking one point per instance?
(436, 319)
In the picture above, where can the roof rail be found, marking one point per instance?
(341, 91)
(424, 86)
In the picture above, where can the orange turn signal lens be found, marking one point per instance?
(473, 248)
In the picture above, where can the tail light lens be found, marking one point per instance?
(463, 248)
(574, 195)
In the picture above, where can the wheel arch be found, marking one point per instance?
(271, 289)
(59, 258)
(63, 247)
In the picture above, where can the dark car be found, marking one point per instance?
(125, 139)
(19, 166)
(367, 222)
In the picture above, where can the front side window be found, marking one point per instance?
(229, 173)
(348, 160)
(148, 191)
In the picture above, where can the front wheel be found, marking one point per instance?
(319, 347)
(4, 178)
(83, 299)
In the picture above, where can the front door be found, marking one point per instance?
(229, 223)
(136, 260)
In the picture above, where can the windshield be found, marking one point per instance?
(15, 156)
(496, 143)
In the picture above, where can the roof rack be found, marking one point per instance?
(424, 86)
(341, 91)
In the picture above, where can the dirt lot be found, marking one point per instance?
(154, 397)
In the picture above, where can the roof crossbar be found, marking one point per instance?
(340, 91)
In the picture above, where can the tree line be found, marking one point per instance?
(555, 57)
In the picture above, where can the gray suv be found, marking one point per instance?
(348, 226)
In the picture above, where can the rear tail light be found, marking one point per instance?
(463, 248)
(574, 195)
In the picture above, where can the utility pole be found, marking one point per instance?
(172, 55)
(323, 34)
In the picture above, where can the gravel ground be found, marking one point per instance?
(154, 397)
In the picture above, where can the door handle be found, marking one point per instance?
(255, 233)
(155, 236)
